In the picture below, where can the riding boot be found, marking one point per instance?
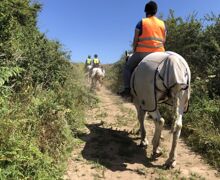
(125, 93)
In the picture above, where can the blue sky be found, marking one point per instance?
(106, 27)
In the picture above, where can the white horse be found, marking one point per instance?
(161, 77)
(97, 75)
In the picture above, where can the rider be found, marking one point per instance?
(96, 61)
(88, 60)
(150, 35)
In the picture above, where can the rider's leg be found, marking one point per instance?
(130, 65)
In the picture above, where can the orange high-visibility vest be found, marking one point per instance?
(153, 35)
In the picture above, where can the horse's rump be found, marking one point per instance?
(88, 67)
(170, 67)
(98, 72)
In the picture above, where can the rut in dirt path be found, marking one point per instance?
(105, 153)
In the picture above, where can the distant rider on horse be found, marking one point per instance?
(96, 61)
(88, 62)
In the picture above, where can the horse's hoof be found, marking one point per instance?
(143, 144)
(170, 164)
(155, 155)
(137, 132)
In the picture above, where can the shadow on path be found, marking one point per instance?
(112, 149)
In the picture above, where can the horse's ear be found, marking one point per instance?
(126, 56)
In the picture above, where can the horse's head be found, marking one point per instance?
(127, 55)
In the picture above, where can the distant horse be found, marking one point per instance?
(97, 75)
(161, 77)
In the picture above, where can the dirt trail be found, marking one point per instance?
(105, 153)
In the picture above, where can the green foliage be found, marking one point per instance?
(7, 72)
(37, 127)
(43, 97)
(202, 130)
(198, 44)
(114, 76)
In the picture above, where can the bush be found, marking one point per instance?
(42, 97)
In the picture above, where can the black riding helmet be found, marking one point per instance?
(95, 55)
(151, 8)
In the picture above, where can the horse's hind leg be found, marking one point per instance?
(179, 101)
(159, 122)
(141, 116)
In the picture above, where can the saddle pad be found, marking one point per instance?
(172, 69)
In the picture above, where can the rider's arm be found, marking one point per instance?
(165, 33)
(135, 41)
(138, 32)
